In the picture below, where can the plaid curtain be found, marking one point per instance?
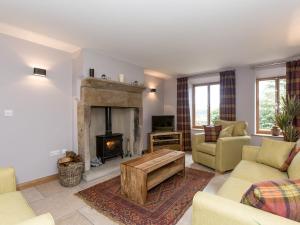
(183, 112)
(293, 83)
(227, 95)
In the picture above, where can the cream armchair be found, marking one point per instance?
(14, 209)
(224, 154)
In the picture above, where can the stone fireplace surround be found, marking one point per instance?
(95, 92)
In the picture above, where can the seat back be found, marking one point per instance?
(240, 127)
(294, 168)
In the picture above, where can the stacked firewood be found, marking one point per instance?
(71, 157)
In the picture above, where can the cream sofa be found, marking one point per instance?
(14, 209)
(225, 207)
(223, 155)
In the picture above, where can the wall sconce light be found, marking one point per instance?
(152, 90)
(39, 72)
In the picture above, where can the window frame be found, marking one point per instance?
(277, 101)
(208, 102)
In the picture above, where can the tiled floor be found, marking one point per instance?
(67, 209)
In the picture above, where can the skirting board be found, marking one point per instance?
(36, 182)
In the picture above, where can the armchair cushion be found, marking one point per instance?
(239, 126)
(7, 180)
(256, 172)
(212, 133)
(227, 131)
(208, 148)
(274, 153)
(14, 208)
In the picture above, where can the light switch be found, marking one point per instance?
(8, 112)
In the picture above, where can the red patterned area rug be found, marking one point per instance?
(166, 203)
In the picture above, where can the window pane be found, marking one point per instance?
(214, 102)
(267, 104)
(282, 91)
(201, 105)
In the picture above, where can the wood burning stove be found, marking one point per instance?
(109, 145)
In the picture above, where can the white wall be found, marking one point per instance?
(245, 96)
(170, 97)
(42, 120)
(153, 104)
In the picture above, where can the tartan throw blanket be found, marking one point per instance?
(212, 133)
(278, 197)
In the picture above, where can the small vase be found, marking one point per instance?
(275, 131)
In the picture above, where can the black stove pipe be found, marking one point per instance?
(108, 128)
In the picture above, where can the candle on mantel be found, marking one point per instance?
(121, 77)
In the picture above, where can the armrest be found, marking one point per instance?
(250, 152)
(197, 139)
(229, 152)
(7, 180)
(209, 209)
(45, 219)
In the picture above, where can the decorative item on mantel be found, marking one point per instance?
(121, 78)
(70, 169)
(135, 83)
(104, 77)
(92, 72)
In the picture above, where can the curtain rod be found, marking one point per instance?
(276, 63)
(208, 73)
(253, 66)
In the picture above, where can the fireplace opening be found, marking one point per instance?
(110, 144)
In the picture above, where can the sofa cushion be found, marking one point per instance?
(256, 172)
(294, 168)
(14, 209)
(234, 188)
(274, 153)
(239, 126)
(207, 147)
(280, 197)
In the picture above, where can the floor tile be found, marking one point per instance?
(59, 205)
(32, 194)
(54, 187)
(75, 218)
(95, 217)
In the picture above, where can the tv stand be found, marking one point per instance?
(165, 140)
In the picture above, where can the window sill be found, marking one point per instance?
(267, 135)
(198, 129)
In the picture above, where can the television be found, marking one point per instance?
(163, 123)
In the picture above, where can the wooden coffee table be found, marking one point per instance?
(141, 174)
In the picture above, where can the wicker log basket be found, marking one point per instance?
(70, 170)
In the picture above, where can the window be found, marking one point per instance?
(206, 104)
(269, 93)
